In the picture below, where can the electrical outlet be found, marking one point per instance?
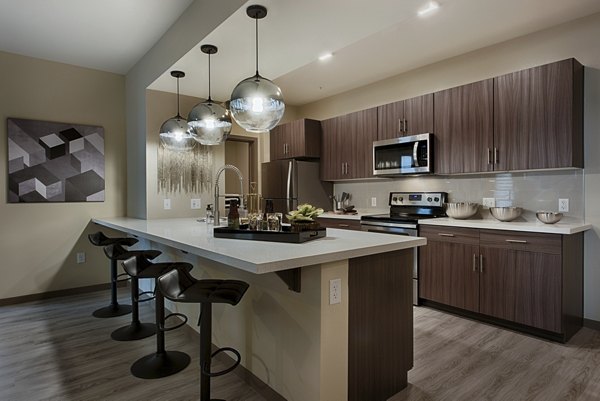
(335, 291)
(374, 201)
(196, 204)
(489, 202)
(80, 257)
(563, 205)
(167, 204)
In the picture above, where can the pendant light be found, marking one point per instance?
(209, 122)
(256, 102)
(174, 134)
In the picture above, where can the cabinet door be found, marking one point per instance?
(332, 167)
(277, 142)
(449, 267)
(359, 130)
(390, 119)
(418, 115)
(538, 290)
(538, 117)
(464, 128)
(344, 224)
(497, 283)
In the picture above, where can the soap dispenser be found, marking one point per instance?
(210, 219)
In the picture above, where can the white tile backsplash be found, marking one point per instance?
(539, 190)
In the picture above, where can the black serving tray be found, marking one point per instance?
(273, 236)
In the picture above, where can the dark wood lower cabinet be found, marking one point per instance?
(380, 325)
(523, 280)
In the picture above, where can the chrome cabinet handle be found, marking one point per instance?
(489, 155)
(516, 241)
(342, 168)
(480, 263)
(400, 129)
(445, 235)
(496, 156)
(343, 225)
(474, 262)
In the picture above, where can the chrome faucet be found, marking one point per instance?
(217, 196)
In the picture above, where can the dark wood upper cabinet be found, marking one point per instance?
(538, 117)
(347, 146)
(296, 139)
(464, 132)
(405, 117)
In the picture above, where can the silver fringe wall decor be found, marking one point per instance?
(189, 171)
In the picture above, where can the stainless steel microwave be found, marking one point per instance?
(405, 155)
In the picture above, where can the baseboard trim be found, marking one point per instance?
(257, 384)
(591, 324)
(54, 294)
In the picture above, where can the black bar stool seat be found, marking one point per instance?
(114, 308)
(162, 363)
(180, 286)
(136, 330)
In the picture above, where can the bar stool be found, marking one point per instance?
(114, 308)
(180, 286)
(135, 330)
(162, 363)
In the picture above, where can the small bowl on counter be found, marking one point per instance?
(548, 217)
(506, 213)
(461, 210)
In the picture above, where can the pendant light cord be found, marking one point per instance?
(209, 98)
(256, 20)
(178, 115)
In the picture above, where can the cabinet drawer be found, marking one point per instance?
(467, 236)
(520, 241)
(345, 224)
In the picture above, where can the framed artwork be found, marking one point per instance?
(54, 162)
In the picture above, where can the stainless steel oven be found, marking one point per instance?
(406, 208)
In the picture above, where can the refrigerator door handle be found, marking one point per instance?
(289, 180)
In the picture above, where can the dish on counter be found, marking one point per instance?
(461, 210)
(506, 213)
(548, 217)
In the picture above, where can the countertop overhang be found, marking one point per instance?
(527, 226)
(189, 235)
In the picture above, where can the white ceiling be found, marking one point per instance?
(370, 40)
(108, 35)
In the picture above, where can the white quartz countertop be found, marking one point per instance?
(259, 257)
(528, 226)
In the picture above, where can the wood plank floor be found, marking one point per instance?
(460, 359)
(55, 350)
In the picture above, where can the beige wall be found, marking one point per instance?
(38, 241)
(577, 39)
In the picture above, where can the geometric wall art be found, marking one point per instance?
(54, 162)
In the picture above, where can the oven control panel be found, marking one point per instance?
(417, 199)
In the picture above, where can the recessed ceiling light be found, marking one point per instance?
(431, 6)
(325, 56)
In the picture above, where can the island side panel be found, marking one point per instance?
(380, 325)
(334, 335)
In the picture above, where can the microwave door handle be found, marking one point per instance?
(416, 154)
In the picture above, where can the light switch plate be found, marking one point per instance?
(167, 204)
(196, 203)
(374, 202)
(80, 257)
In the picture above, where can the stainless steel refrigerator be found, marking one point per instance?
(292, 182)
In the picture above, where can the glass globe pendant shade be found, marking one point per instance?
(174, 135)
(257, 104)
(210, 123)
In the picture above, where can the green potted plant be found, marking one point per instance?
(302, 219)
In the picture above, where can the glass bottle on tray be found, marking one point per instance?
(233, 218)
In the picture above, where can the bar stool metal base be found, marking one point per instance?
(134, 331)
(112, 311)
(157, 365)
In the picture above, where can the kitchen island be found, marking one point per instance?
(301, 345)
